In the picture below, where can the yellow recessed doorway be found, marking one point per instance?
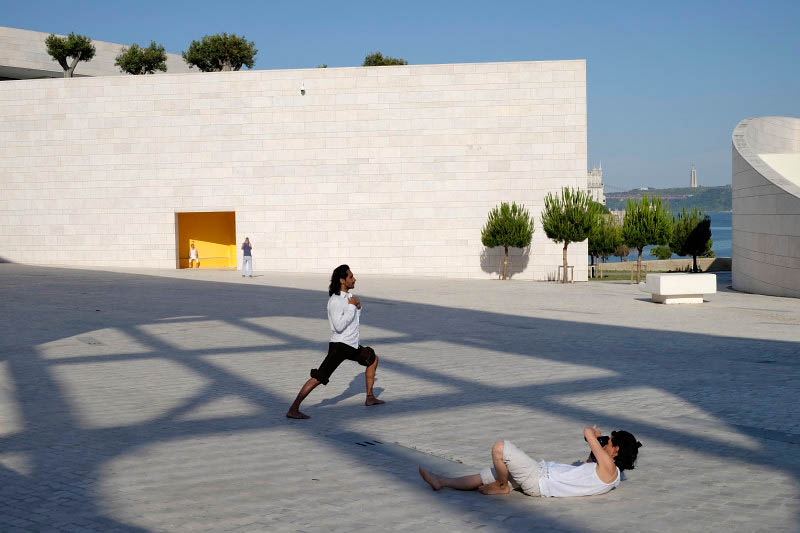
(213, 235)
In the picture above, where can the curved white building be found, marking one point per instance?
(766, 206)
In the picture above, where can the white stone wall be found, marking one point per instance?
(23, 55)
(766, 207)
(391, 169)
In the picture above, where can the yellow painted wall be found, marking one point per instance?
(214, 236)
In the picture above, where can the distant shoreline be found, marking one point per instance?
(705, 264)
(718, 199)
(721, 234)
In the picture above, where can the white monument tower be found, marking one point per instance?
(595, 184)
(693, 178)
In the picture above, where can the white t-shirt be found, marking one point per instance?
(192, 253)
(561, 480)
(344, 318)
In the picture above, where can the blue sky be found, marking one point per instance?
(667, 81)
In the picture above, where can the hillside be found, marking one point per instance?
(708, 199)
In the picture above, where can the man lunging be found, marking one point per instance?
(344, 314)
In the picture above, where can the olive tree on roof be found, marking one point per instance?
(138, 60)
(69, 51)
(221, 52)
(377, 59)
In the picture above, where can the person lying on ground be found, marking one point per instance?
(513, 468)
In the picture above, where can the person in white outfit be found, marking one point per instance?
(194, 258)
(344, 316)
(513, 468)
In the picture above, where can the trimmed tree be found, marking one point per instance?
(75, 48)
(138, 60)
(377, 59)
(220, 52)
(647, 221)
(691, 235)
(569, 217)
(597, 231)
(661, 251)
(604, 238)
(508, 226)
(623, 250)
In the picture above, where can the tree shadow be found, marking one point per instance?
(492, 260)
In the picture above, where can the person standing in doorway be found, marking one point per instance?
(247, 257)
(194, 258)
(344, 316)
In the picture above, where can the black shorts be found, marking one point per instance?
(338, 352)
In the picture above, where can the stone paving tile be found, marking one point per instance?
(154, 401)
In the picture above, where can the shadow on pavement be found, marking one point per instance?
(695, 362)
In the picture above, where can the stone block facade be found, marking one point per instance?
(391, 169)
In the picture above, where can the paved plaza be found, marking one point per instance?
(155, 400)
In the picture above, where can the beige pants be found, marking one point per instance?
(524, 472)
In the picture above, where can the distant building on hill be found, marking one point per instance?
(693, 178)
(595, 184)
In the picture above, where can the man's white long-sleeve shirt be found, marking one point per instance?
(344, 318)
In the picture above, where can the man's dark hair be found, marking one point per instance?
(339, 273)
(628, 449)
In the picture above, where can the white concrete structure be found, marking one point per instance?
(23, 55)
(391, 169)
(679, 288)
(766, 206)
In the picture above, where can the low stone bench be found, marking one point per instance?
(679, 288)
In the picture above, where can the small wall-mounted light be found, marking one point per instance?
(303, 88)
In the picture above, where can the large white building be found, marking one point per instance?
(391, 169)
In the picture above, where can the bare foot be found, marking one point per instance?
(296, 414)
(495, 488)
(372, 400)
(430, 478)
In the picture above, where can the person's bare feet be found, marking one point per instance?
(372, 400)
(430, 478)
(296, 414)
(495, 488)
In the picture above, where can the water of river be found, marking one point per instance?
(721, 234)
